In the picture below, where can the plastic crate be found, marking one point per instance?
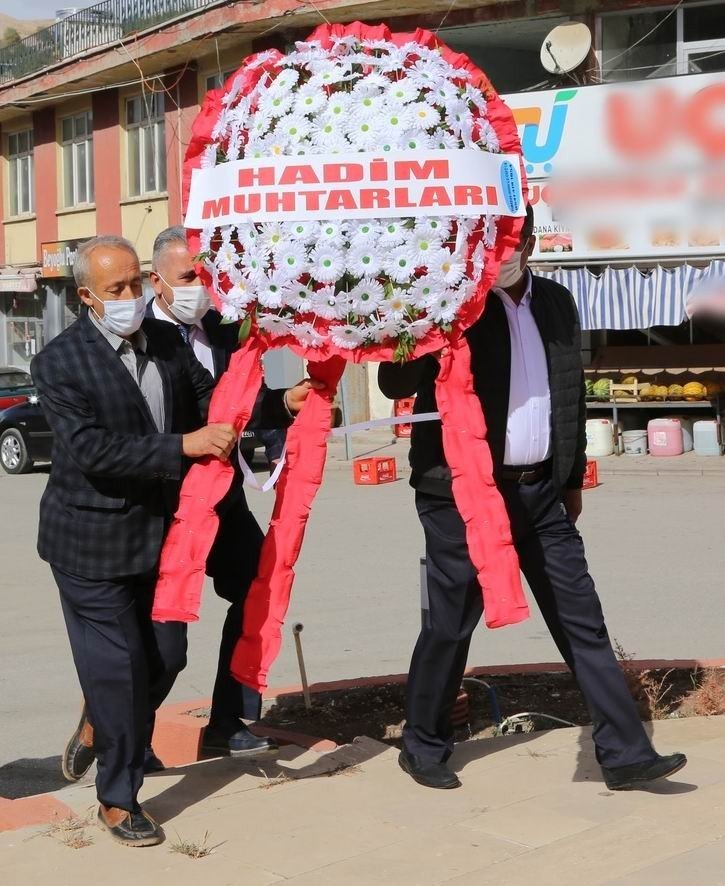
(591, 478)
(375, 470)
(403, 407)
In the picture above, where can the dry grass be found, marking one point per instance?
(191, 848)
(707, 699)
(649, 692)
(71, 831)
(77, 840)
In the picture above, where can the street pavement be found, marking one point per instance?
(654, 545)
(532, 809)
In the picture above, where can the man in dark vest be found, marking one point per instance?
(527, 371)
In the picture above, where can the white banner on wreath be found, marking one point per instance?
(319, 187)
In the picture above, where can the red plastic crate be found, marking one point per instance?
(591, 480)
(375, 470)
(403, 407)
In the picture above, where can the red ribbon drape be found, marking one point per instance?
(192, 533)
(477, 498)
(269, 595)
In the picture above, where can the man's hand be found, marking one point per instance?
(296, 396)
(215, 439)
(573, 503)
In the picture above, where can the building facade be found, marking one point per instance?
(96, 112)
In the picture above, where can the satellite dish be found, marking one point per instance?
(566, 47)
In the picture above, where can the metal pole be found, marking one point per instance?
(297, 630)
(343, 407)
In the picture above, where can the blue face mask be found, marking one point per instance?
(122, 317)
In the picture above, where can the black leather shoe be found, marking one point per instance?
(130, 828)
(78, 756)
(236, 740)
(151, 762)
(430, 775)
(625, 778)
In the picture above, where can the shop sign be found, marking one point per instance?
(626, 171)
(58, 258)
(18, 283)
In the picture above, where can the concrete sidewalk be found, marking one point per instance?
(532, 809)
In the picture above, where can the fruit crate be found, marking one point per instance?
(403, 407)
(625, 392)
(374, 470)
(591, 477)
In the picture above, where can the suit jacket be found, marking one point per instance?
(114, 479)
(489, 340)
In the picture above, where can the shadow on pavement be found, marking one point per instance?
(26, 777)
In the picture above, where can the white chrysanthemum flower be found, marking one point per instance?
(444, 307)
(400, 263)
(274, 104)
(241, 294)
(426, 73)
(415, 140)
(291, 259)
(326, 264)
(478, 259)
(490, 233)
(302, 230)
(362, 232)
(488, 137)
(395, 305)
(444, 141)
(362, 132)
(208, 157)
(459, 117)
(392, 233)
(424, 115)
(371, 84)
(423, 290)
(417, 328)
(229, 312)
(394, 61)
(367, 297)
(309, 100)
(255, 262)
(301, 298)
(337, 107)
(449, 266)
(331, 233)
(474, 96)
(273, 290)
(425, 247)
(275, 325)
(329, 305)
(226, 257)
(328, 74)
(440, 228)
(363, 259)
(284, 82)
(401, 92)
(347, 336)
(304, 53)
(385, 329)
(306, 334)
(293, 127)
(273, 234)
(328, 136)
(366, 106)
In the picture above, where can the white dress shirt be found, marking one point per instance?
(198, 339)
(528, 429)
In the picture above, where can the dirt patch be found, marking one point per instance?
(378, 711)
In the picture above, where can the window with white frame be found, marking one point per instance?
(77, 147)
(146, 144)
(21, 186)
(674, 39)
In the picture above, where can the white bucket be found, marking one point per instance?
(635, 442)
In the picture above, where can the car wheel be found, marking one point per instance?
(14, 453)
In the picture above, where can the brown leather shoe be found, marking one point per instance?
(78, 755)
(130, 828)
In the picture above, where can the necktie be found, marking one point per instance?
(184, 332)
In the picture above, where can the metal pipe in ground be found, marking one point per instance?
(297, 630)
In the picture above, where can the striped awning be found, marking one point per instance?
(627, 298)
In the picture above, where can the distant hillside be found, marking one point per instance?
(24, 27)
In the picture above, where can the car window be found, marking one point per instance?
(9, 381)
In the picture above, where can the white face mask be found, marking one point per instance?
(510, 271)
(190, 302)
(122, 317)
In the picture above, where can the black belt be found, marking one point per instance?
(524, 474)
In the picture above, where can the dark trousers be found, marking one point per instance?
(121, 671)
(551, 554)
(232, 563)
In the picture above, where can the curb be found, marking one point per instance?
(178, 733)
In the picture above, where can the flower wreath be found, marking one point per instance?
(369, 289)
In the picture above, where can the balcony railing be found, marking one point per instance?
(87, 29)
